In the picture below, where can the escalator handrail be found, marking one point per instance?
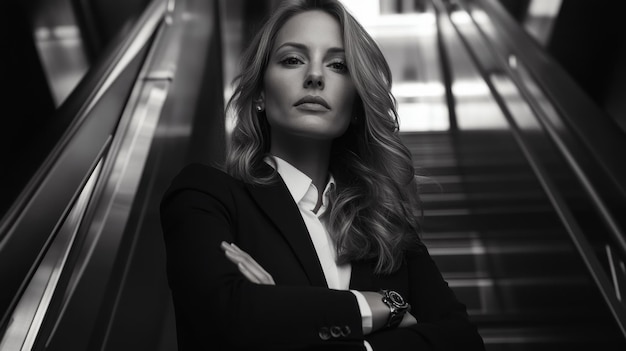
(617, 234)
(591, 260)
(601, 134)
(84, 96)
(81, 102)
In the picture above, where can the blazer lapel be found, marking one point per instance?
(277, 203)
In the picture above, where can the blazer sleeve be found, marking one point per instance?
(442, 321)
(215, 305)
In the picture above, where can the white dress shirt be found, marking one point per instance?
(305, 195)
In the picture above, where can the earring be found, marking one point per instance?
(259, 108)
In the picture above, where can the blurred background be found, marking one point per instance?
(514, 111)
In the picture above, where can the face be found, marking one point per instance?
(307, 89)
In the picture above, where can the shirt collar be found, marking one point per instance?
(299, 183)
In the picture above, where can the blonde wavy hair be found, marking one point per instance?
(374, 211)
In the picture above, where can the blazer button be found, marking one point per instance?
(335, 331)
(345, 331)
(324, 333)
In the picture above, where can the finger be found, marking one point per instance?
(244, 267)
(233, 257)
(224, 245)
(251, 269)
(238, 256)
(252, 263)
(265, 277)
(255, 269)
(236, 251)
(240, 252)
(246, 273)
(227, 247)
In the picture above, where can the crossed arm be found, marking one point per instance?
(216, 303)
(258, 275)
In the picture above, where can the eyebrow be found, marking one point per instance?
(303, 47)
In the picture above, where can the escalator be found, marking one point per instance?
(517, 212)
(520, 214)
(82, 262)
(501, 247)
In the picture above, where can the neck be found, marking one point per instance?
(310, 157)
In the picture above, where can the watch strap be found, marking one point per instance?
(397, 307)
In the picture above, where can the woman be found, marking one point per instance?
(310, 239)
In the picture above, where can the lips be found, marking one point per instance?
(314, 103)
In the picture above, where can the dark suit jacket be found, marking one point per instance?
(218, 309)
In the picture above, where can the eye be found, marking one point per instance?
(291, 61)
(339, 66)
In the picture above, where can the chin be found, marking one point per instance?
(322, 133)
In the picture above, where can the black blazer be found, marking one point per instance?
(218, 309)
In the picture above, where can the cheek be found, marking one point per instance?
(276, 92)
(276, 110)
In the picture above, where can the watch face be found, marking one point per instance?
(395, 298)
(397, 307)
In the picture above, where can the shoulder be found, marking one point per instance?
(199, 175)
(201, 178)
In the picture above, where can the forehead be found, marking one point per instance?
(312, 28)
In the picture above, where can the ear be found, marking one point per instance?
(261, 99)
(260, 102)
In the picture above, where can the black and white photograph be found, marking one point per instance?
(310, 175)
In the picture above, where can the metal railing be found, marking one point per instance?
(507, 56)
(44, 225)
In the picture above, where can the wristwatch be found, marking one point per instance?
(397, 306)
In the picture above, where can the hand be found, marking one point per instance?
(247, 265)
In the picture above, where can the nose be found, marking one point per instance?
(315, 81)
